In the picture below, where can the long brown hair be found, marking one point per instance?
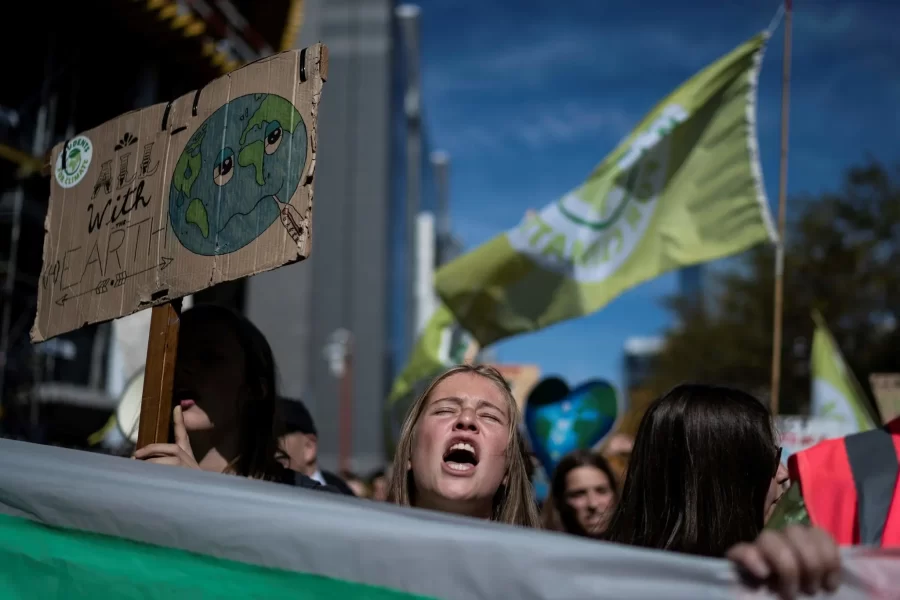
(565, 515)
(703, 459)
(514, 501)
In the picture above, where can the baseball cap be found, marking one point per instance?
(296, 416)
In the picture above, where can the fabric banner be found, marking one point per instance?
(79, 526)
(835, 392)
(685, 187)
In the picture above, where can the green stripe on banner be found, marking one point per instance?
(37, 561)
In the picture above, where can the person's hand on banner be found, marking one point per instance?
(178, 454)
(790, 561)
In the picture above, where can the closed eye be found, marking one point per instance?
(491, 417)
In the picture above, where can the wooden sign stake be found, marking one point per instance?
(159, 374)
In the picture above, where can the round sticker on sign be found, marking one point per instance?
(73, 162)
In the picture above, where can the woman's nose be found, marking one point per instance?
(782, 474)
(467, 420)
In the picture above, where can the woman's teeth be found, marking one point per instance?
(460, 466)
(463, 446)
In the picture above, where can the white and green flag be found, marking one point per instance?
(685, 187)
(441, 345)
(835, 391)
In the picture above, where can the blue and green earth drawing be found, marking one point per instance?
(577, 420)
(235, 173)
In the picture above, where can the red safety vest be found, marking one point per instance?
(850, 486)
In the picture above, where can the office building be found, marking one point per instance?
(354, 297)
(85, 64)
(373, 179)
(691, 284)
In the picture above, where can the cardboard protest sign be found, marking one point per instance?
(166, 201)
(521, 380)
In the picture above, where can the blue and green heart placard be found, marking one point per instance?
(560, 420)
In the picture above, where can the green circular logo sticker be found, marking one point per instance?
(72, 164)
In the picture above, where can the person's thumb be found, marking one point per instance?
(181, 435)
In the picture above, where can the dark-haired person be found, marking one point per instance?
(300, 443)
(704, 475)
(225, 401)
(583, 493)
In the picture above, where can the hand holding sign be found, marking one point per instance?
(179, 454)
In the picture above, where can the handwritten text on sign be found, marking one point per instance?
(169, 200)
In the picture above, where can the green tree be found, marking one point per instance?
(842, 257)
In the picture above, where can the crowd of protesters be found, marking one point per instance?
(702, 476)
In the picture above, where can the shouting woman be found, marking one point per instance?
(459, 450)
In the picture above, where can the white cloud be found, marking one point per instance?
(571, 122)
(538, 56)
(539, 126)
(604, 51)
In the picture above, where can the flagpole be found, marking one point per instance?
(782, 211)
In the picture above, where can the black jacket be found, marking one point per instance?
(302, 481)
(334, 481)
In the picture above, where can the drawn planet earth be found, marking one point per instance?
(235, 173)
(559, 420)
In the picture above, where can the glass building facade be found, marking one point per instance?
(397, 222)
(690, 284)
(400, 253)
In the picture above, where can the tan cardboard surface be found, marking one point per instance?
(166, 201)
(521, 379)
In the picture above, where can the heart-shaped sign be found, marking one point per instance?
(560, 420)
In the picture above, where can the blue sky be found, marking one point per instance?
(528, 96)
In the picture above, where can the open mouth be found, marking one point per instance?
(461, 456)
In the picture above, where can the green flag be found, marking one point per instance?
(442, 344)
(835, 391)
(684, 187)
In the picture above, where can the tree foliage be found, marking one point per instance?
(842, 257)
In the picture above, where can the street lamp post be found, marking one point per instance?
(339, 354)
(440, 161)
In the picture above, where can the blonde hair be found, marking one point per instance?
(550, 519)
(514, 501)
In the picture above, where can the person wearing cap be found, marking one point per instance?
(300, 444)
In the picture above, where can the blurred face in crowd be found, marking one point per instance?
(209, 374)
(359, 488)
(302, 452)
(380, 488)
(590, 497)
(776, 488)
(620, 444)
(459, 448)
